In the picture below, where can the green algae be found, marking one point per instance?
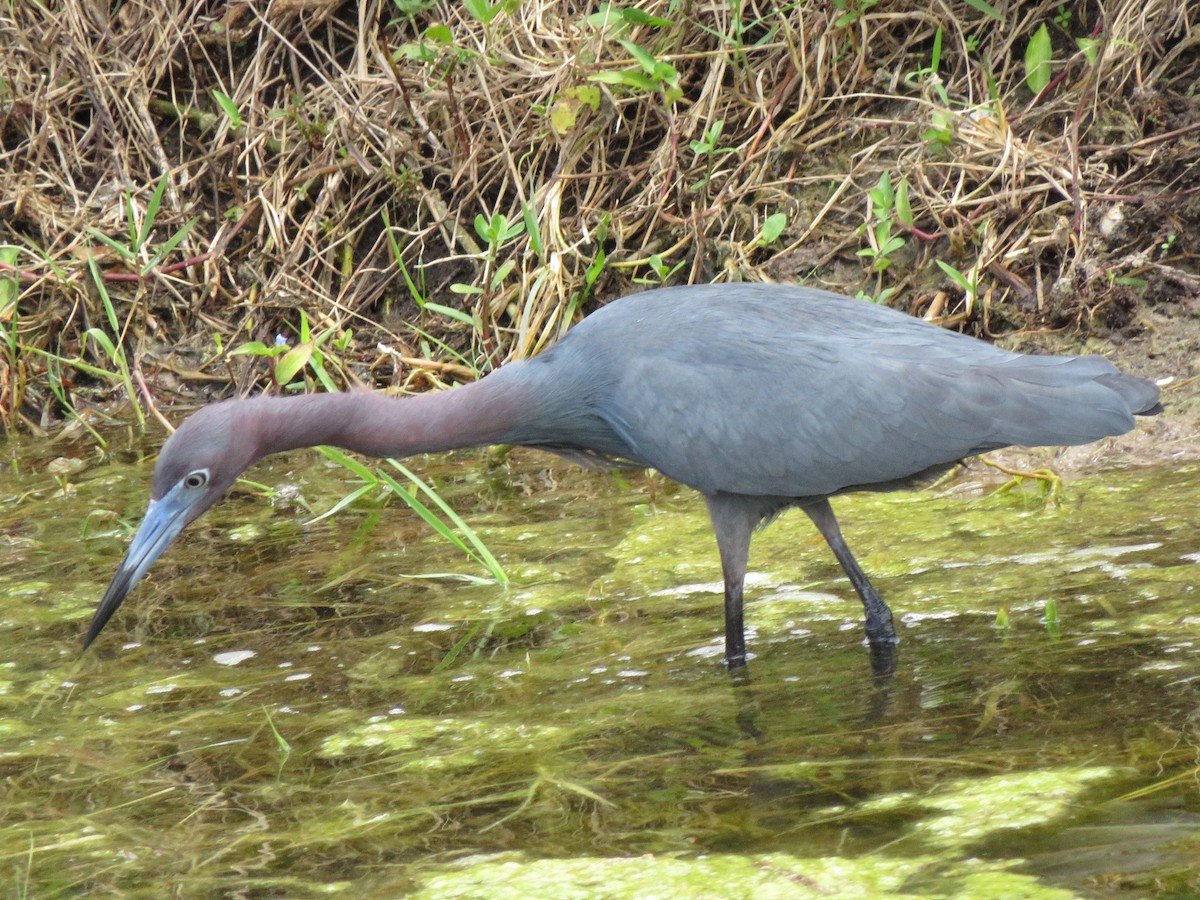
(574, 734)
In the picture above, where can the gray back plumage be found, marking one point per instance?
(792, 392)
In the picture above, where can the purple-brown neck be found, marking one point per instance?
(226, 438)
(375, 424)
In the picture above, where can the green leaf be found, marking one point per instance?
(502, 273)
(772, 229)
(10, 281)
(644, 59)
(986, 8)
(107, 241)
(103, 340)
(1037, 60)
(349, 463)
(507, 231)
(482, 10)
(635, 80)
(480, 551)
(170, 245)
(903, 210)
(956, 276)
(416, 52)
(152, 209)
(1090, 48)
(529, 215)
(457, 314)
(635, 16)
(229, 108)
(292, 362)
(595, 267)
(257, 348)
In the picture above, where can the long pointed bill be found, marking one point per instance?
(164, 520)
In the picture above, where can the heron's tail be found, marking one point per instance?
(1139, 395)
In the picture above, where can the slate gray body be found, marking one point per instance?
(793, 392)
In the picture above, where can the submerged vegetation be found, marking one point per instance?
(439, 186)
(285, 719)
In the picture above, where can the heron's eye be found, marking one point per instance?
(197, 479)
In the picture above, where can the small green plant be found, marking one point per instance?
(113, 347)
(10, 290)
(940, 132)
(771, 230)
(138, 248)
(230, 109)
(410, 9)
(436, 46)
(1165, 247)
(594, 269)
(484, 11)
(290, 360)
(708, 149)
(969, 283)
(881, 297)
(417, 290)
(929, 74)
(496, 231)
(888, 206)
(661, 272)
(112, 350)
(850, 11)
(619, 19)
(449, 524)
(652, 76)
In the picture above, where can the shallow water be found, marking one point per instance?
(295, 710)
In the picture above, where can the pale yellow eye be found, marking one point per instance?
(197, 479)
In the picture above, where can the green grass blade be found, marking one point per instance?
(481, 551)
(106, 240)
(427, 514)
(349, 463)
(109, 310)
(170, 245)
(152, 212)
(452, 313)
(350, 498)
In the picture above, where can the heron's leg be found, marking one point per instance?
(880, 629)
(733, 522)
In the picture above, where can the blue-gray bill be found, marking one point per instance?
(164, 520)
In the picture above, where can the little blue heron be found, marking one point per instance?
(761, 397)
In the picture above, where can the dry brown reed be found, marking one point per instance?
(356, 133)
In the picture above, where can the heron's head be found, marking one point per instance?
(198, 464)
